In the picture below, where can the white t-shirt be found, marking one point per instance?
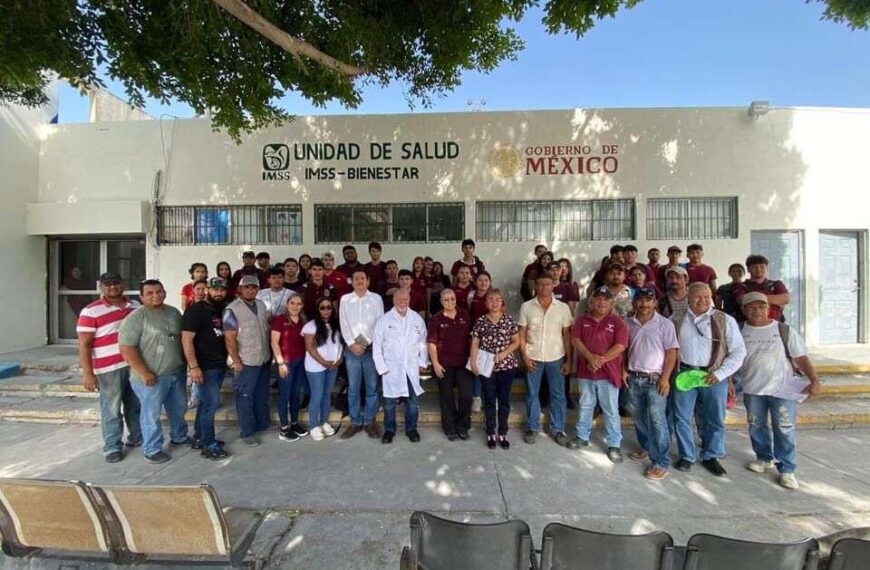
(766, 366)
(330, 350)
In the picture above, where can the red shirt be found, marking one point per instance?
(377, 275)
(311, 292)
(420, 283)
(388, 298)
(418, 302)
(701, 273)
(187, 292)
(599, 337)
(768, 287)
(462, 294)
(566, 292)
(451, 337)
(339, 281)
(103, 320)
(292, 342)
(477, 306)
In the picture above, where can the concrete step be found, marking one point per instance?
(840, 412)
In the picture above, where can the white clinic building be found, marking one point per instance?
(148, 198)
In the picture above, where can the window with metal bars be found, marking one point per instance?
(564, 220)
(272, 224)
(691, 218)
(389, 223)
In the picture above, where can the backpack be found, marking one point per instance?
(784, 333)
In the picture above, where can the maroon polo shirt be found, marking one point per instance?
(566, 292)
(477, 307)
(451, 337)
(599, 337)
(768, 287)
(418, 302)
(311, 292)
(377, 275)
(462, 295)
(701, 273)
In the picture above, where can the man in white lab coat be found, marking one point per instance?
(399, 352)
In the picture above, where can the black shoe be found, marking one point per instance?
(159, 457)
(287, 435)
(387, 437)
(463, 435)
(614, 454)
(414, 436)
(298, 429)
(197, 444)
(114, 457)
(684, 465)
(452, 436)
(714, 467)
(490, 441)
(214, 452)
(503, 441)
(187, 441)
(133, 444)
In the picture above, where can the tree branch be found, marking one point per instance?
(285, 41)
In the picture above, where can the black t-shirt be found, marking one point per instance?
(204, 319)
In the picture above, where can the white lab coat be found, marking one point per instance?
(399, 351)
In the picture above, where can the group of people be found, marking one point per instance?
(626, 340)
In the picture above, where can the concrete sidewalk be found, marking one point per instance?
(347, 503)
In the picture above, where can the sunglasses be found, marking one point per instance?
(325, 308)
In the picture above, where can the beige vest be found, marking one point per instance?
(719, 349)
(253, 333)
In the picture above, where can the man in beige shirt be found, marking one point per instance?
(545, 345)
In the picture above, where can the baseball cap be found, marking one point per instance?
(753, 297)
(217, 283)
(645, 293)
(675, 248)
(602, 292)
(249, 280)
(677, 269)
(247, 253)
(110, 276)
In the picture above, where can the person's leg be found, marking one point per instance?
(490, 391)
(569, 401)
(759, 432)
(447, 401)
(354, 379)
(326, 398)
(111, 421)
(558, 406)
(296, 373)
(608, 399)
(683, 410)
(244, 383)
(659, 435)
(411, 410)
(370, 375)
(464, 381)
(784, 433)
(390, 415)
(262, 417)
(175, 403)
(711, 403)
(588, 400)
(504, 379)
(285, 386)
(533, 404)
(131, 409)
(637, 405)
(210, 401)
(151, 402)
(316, 380)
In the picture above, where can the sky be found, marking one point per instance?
(662, 53)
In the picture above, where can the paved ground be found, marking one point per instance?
(349, 501)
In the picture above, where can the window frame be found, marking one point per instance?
(389, 227)
(246, 224)
(684, 214)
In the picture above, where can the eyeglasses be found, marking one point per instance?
(325, 308)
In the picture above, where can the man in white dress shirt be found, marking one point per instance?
(358, 311)
(710, 340)
(399, 352)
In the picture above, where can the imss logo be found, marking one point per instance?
(276, 161)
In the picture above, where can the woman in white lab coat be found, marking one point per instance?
(399, 351)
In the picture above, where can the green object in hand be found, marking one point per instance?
(689, 379)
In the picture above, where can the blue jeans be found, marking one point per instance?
(782, 417)
(605, 394)
(411, 411)
(649, 412)
(251, 387)
(558, 406)
(359, 368)
(321, 384)
(209, 402)
(288, 391)
(169, 392)
(709, 403)
(118, 405)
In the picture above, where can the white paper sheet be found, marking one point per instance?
(793, 389)
(485, 363)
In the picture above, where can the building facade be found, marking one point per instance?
(148, 198)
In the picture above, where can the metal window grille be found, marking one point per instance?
(389, 223)
(565, 220)
(691, 218)
(273, 224)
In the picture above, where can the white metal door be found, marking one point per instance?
(839, 287)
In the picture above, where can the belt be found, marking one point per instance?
(655, 376)
(684, 366)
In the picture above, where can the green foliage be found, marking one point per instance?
(195, 52)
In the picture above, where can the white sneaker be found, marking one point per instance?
(316, 434)
(788, 480)
(476, 404)
(328, 430)
(759, 466)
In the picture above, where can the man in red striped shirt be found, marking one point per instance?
(104, 369)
